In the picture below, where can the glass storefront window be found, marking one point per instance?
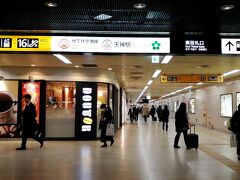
(102, 98)
(60, 109)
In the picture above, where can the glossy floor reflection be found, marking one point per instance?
(142, 151)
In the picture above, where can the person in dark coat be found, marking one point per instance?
(152, 112)
(131, 113)
(159, 113)
(181, 123)
(165, 115)
(236, 126)
(106, 118)
(29, 123)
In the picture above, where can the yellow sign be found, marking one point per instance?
(25, 43)
(207, 78)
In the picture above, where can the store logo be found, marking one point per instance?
(64, 43)
(87, 109)
(156, 45)
(107, 44)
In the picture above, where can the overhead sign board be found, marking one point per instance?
(85, 44)
(25, 43)
(230, 46)
(110, 44)
(207, 78)
(195, 44)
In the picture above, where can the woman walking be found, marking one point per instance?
(181, 123)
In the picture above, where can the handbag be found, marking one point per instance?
(233, 140)
(110, 130)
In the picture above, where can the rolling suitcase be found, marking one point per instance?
(192, 139)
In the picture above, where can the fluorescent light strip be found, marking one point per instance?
(166, 59)
(231, 72)
(200, 83)
(149, 82)
(156, 73)
(62, 58)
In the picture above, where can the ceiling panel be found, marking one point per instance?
(134, 71)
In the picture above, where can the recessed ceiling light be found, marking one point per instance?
(139, 6)
(109, 69)
(227, 7)
(33, 65)
(103, 17)
(76, 66)
(50, 4)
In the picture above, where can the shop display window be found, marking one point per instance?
(60, 109)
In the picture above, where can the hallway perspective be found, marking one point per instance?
(142, 151)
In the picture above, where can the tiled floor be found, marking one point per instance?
(142, 151)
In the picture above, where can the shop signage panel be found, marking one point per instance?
(25, 43)
(86, 110)
(110, 44)
(230, 46)
(207, 78)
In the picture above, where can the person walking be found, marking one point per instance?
(159, 113)
(145, 112)
(29, 123)
(131, 113)
(165, 119)
(181, 123)
(152, 112)
(236, 128)
(106, 118)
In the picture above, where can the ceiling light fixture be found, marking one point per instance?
(227, 7)
(200, 83)
(231, 72)
(50, 4)
(33, 65)
(139, 6)
(110, 69)
(103, 17)
(76, 66)
(149, 82)
(62, 58)
(156, 73)
(166, 59)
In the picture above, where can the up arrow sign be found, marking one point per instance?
(229, 44)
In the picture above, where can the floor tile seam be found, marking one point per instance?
(220, 158)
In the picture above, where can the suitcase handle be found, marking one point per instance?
(190, 125)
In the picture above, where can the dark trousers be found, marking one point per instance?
(178, 136)
(163, 125)
(103, 137)
(29, 134)
(145, 117)
(238, 143)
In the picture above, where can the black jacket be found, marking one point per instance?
(165, 115)
(181, 121)
(29, 117)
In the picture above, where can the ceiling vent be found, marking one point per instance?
(135, 77)
(135, 73)
(137, 66)
(89, 65)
